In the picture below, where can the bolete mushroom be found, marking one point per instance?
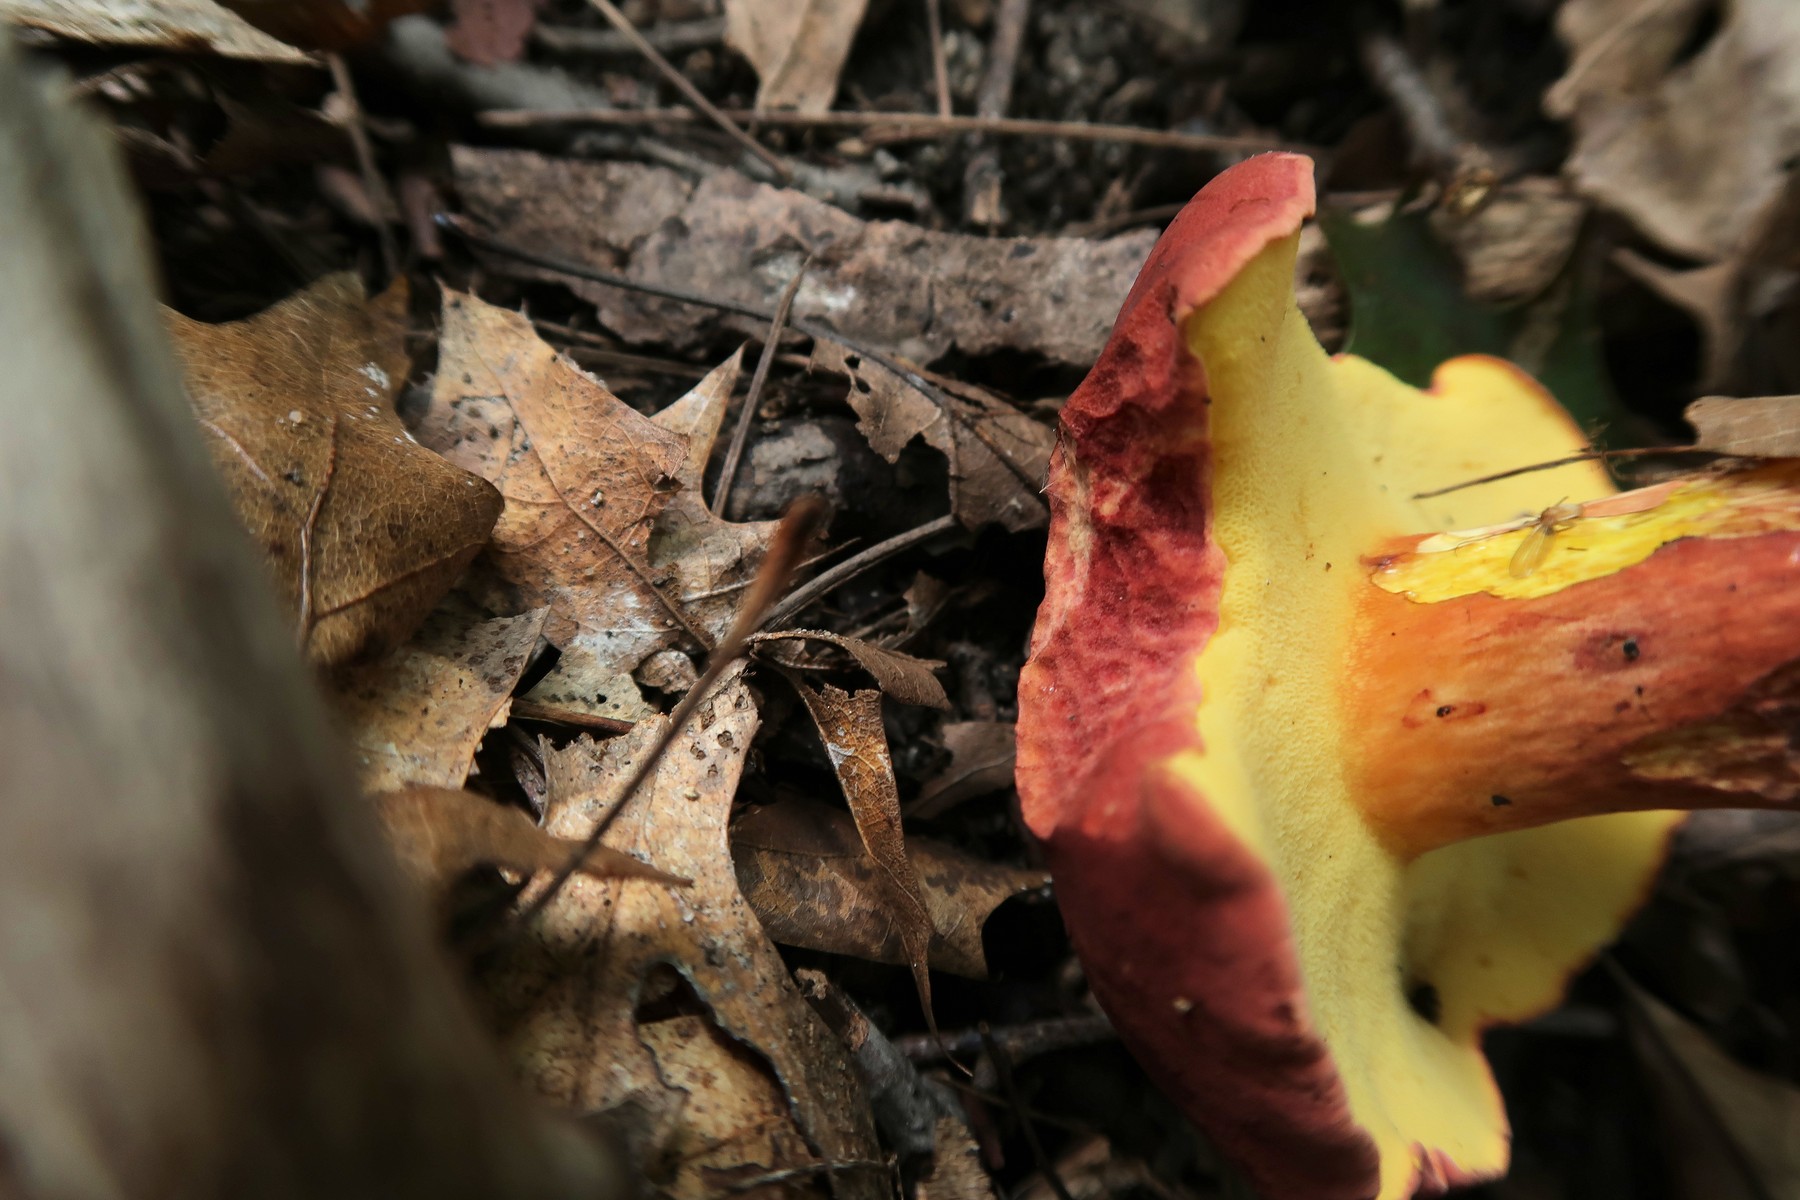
(1331, 778)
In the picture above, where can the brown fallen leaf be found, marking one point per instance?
(709, 559)
(999, 457)
(919, 1118)
(732, 1125)
(439, 833)
(856, 742)
(567, 994)
(1753, 426)
(907, 679)
(1746, 314)
(888, 284)
(178, 25)
(585, 477)
(981, 761)
(1730, 1132)
(1517, 242)
(797, 47)
(364, 528)
(417, 714)
(803, 869)
(1647, 121)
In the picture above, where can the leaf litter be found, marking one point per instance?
(364, 528)
(718, 1108)
(417, 714)
(575, 996)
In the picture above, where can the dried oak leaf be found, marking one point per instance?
(999, 457)
(981, 761)
(1730, 1131)
(181, 26)
(439, 833)
(1750, 426)
(604, 522)
(797, 47)
(417, 714)
(902, 676)
(888, 284)
(804, 871)
(856, 742)
(364, 528)
(568, 996)
(1647, 121)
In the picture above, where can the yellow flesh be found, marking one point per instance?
(1588, 546)
(1315, 461)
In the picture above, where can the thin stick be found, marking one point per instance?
(365, 162)
(682, 84)
(1584, 456)
(982, 178)
(940, 67)
(740, 433)
(855, 565)
(464, 229)
(996, 1054)
(669, 37)
(790, 542)
(898, 126)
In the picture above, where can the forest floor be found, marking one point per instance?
(1601, 191)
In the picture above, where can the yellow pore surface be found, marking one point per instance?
(1315, 463)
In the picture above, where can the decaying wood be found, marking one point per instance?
(213, 982)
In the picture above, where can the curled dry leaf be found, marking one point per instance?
(439, 833)
(902, 676)
(1731, 1132)
(856, 742)
(568, 995)
(1751, 426)
(887, 284)
(417, 714)
(587, 479)
(364, 528)
(1647, 119)
(981, 761)
(805, 872)
(999, 457)
(174, 25)
(797, 47)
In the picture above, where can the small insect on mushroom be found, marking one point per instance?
(1552, 521)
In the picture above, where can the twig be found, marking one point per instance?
(996, 1054)
(907, 373)
(533, 710)
(1584, 456)
(740, 433)
(365, 162)
(855, 565)
(982, 178)
(685, 86)
(1465, 167)
(1025, 1040)
(789, 543)
(940, 67)
(899, 126)
(671, 37)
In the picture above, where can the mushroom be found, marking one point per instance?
(1332, 778)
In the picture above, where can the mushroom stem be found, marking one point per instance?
(1672, 682)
